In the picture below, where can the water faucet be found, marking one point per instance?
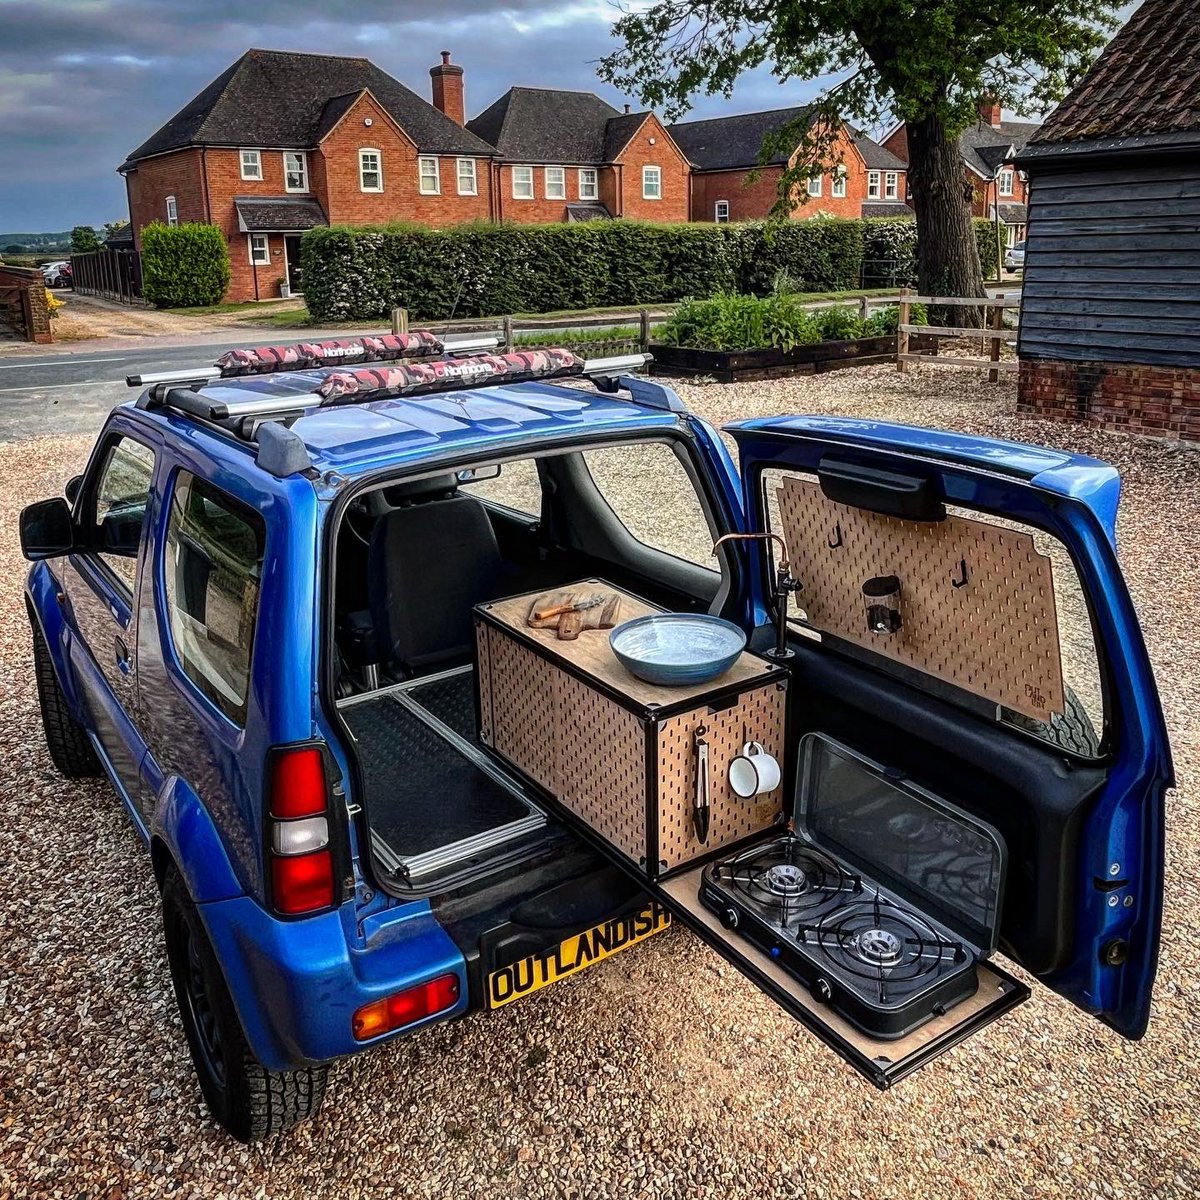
(785, 585)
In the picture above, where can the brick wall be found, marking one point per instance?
(652, 146)
(1133, 397)
(178, 174)
(540, 210)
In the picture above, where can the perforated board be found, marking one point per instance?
(757, 716)
(996, 636)
(523, 710)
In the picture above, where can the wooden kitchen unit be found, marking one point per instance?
(619, 755)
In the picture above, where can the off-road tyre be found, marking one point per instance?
(67, 740)
(1071, 729)
(248, 1100)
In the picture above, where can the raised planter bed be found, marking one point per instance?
(730, 366)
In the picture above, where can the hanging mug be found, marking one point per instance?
(754, 771)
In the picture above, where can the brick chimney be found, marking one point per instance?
(448, 89)
(989, 111)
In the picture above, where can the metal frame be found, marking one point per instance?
(415, 867)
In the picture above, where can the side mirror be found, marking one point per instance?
(46, 530)
(71, 491)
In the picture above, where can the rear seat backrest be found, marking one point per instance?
(429, 564)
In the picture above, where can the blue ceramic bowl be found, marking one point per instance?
(677, 649)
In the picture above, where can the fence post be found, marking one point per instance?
(997, 324)
(903, 318)
(506, 332)
(644, 329)
(399, 320)
(864, 308)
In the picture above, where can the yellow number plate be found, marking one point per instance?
(569, 957)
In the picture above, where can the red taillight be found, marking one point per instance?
(406, 1007)
(298, 783)
(302, 875)
(303, 883)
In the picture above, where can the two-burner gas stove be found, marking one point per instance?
(883, 904)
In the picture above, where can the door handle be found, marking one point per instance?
(124, 660)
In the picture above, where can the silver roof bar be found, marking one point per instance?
(465, 343)
(213, 409)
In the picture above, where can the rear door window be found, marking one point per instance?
(213, 574)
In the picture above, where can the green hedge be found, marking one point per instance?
(486, 269)
(890, 251)
(184, 266)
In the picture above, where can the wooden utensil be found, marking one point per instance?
(569, 625)
(569, 606)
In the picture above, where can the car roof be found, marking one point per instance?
(358, 438)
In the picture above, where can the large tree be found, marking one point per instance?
(925, 62)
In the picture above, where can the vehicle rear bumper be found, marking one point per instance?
(297, 984)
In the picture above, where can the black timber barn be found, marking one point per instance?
(1110, 311)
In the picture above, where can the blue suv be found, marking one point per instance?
(254, 612)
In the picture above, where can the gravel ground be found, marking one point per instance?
(660, 1073)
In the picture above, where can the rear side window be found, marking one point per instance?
(213, 569)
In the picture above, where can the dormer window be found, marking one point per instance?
(252, 164)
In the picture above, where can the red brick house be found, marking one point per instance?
(867, 180)
(564, 155)
(281, 142)
(988, 150)
(1110, 311)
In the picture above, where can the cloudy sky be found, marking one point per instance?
(82, 82)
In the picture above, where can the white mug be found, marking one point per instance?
(754, 771)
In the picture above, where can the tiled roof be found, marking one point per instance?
(985, 146)
(278, 214)
(619, 131)
(886, 208)
(280, 98)
(726, 143)
(587, 212)
(877, 157)
(1014, 214)
(547, 125)
(1145, 84)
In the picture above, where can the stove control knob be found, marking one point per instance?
(822, 989)
(729, 918)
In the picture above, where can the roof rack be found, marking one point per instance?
(338, 352)
(282, 452)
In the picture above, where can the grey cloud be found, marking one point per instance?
(83, 83)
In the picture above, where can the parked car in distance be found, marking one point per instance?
(262, 612)
(57, 274)
(1014, 257)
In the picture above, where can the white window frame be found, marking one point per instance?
(172, 211)
(589, 183)
(554, 187)
(1007, 188)
(423, 173)
(257, 260)
(721, 212)
(377, 170)
(891, 185)
(472, 188)
(525, 174)
(302, 158)
(253, 159)
(874, 184)
(651, 172)
(838, 182)
(816, 185)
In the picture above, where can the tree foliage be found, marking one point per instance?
(84, 240)
(925, 62)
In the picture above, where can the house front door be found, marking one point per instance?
(291, 254)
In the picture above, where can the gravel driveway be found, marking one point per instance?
(660, 1073)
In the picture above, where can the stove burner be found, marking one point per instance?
(786, 879)
(877, 947)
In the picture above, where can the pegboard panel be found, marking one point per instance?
(483, 668)
(758, 716)
(600, 750)
(996, 636)
(523, 708)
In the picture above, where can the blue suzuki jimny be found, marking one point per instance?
(336, 621)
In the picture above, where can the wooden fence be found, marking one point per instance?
(113, 274)
(995, 333)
